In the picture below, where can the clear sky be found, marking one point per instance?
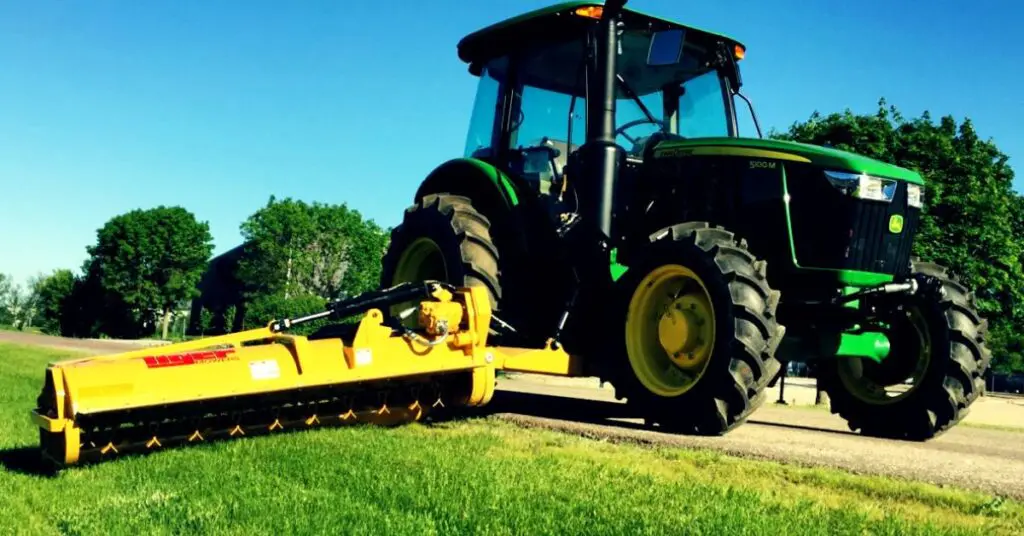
(114, 105)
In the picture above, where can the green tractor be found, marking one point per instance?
(609, 204)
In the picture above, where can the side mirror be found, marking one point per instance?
(666, 47)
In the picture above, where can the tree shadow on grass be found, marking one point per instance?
(27, 461)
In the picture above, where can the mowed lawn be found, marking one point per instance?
(464, 477)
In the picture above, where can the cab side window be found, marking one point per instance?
(483, 122)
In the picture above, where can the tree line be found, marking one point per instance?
(146, 265)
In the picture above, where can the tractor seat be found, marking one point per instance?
(563, 150)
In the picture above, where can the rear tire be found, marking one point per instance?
(950, 377)
(445, 238)
(729, 364)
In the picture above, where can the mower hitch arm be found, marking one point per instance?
(910, 287)
(377, 299)
(913, 286)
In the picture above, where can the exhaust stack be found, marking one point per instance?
(600, 154)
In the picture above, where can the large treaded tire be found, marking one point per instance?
(462, 235)
(953, 380)
(742, 360)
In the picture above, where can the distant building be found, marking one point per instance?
(1007, 383)
(220, 291)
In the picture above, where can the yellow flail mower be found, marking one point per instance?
(385, 369)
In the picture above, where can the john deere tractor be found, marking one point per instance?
(611, 207)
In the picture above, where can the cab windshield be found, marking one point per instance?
(547, 84)
(683, 98)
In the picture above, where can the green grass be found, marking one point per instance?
(33, 329)
(469, 477)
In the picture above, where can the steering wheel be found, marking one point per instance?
(621, 131)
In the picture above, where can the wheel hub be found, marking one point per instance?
(884, 383)
(670, 330)
(684, 330)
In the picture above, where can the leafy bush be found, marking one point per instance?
(263, 309)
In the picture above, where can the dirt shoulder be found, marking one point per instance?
(90, 346)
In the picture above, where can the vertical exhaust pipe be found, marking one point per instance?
(601, 104)
(600, 154)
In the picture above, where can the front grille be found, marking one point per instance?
(832, 230)
(872, 247)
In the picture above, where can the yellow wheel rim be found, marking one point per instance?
(868, 390)
(670, 330)
(421, 261)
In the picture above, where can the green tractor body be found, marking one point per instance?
(609, 202)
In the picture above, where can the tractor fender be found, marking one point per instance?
(490, 190)
(473, 178)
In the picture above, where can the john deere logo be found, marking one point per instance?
(896, 224)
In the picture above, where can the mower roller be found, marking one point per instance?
(609, 211)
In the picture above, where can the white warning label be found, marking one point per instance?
(264, 370)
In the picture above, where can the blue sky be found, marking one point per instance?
(215, 106)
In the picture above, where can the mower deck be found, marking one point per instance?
(263, 380)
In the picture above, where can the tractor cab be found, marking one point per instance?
(530, 112)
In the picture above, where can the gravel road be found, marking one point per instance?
(968, 457)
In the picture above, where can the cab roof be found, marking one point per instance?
(555, 21)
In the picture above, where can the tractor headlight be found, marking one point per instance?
(915, 195)
(862, 186)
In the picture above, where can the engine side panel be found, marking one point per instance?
(745, 195)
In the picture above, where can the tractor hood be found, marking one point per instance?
(824, 157)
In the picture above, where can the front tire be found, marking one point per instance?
(700, 331)
(940, 342)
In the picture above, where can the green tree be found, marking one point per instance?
(294, 248)
(11, 301)
(150, 261)
(262, 309)
(278, 240)
(228, 319)
(1007, 334)
(205, 321)
(51, 294)
(973, 220)
(17, 304)
(346, 252)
